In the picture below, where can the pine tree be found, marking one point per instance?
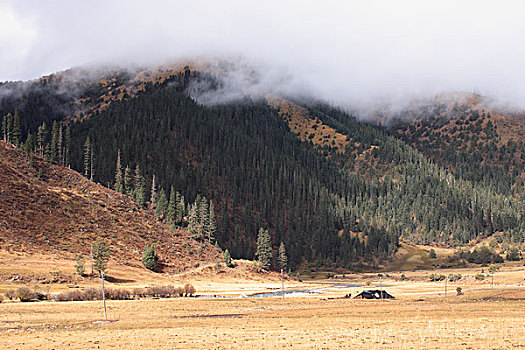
(172, 207)
(127, 181)
(181, 208)
(54, 142)
(80, 265)
(17, 131)
(4, 128)
(139, 190)
(119, 180)
(150, 258)
(264, 249)
(153, 192)
(204, 212)
(227, 258)
(193, 224)
(60, 145)
(9, 128)
(211, 225)
(283, 260)
(91, 163)
(100, 252)
(87, 156)
(161, 206)
(67, 145)
(41, 139)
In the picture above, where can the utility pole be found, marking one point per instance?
(103, 295)
(282, 285)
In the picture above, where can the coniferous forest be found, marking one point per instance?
(242, 164)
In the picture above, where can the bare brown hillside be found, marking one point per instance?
(49, 209)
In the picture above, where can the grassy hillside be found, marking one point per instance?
(49, 209)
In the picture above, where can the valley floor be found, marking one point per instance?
(254, 323)
(421, 316)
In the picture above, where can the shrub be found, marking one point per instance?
(432, 254)
(25, 294)
(189, 290)
(92, 294)
(403, 277)
(150, 258)
(10, 294)
(513, 255)
(480, 276)
(118, 294)
(454, 278)
(69, 295)
(436, 277)
(459, 291)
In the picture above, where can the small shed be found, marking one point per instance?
(374, 294)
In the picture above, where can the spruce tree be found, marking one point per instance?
(193, 224)
(60, 145)
(153, 195)
(4, 128)
(41, 139)
(264, 249)
(54, 142)
(150, 258)
(119, 180)
(87, 156)
(227, 258)
(172, 204)
(80, 265)
(161, 206)
(100, 252)
(17, 131)
(181, 210)
(139, 190)
(9, 128)
(67, 145)
(283, 260)
(211, 225)
(127, 181)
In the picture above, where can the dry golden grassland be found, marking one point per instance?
(420, 317)
(309, 322)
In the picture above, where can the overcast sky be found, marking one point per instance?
(346, 50)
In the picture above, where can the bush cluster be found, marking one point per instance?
(437, 277)
(124, 294)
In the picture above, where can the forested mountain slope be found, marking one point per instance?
(475, 142)
(334, 190)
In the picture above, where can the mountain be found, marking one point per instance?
(475, 142)
(47, 208)
(336, 191)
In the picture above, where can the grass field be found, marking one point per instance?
(311, 322)
(421, 316)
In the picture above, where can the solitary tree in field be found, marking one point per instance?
(264, 249)
(101, 253)
(283, 260)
